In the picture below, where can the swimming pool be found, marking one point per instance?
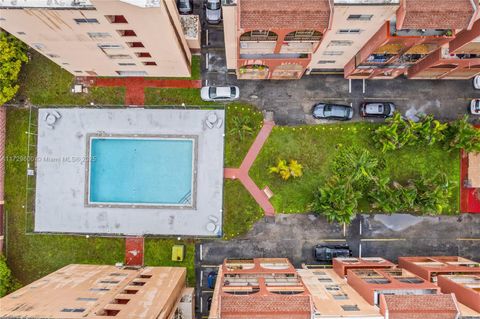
(141, 171)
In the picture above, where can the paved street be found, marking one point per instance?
(388, 236)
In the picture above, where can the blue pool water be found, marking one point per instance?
(141, 171)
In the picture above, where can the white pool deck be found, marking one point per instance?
(61, 173)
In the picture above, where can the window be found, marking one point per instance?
(65, 63)
(340, 296)
(126, 64)
(53, 56)
(127, 33)
(340, 43)
(348, 31)
(39, 46)
(110, 46)
(350, 308)
(129, 292)
(77, 71)
(99, 35)
(131, 73)
(327, 62)
(149, 63)
(324, 279)
(137, 283)
(86, 299)
(116, 19)
(109, 281)
(116, 274)
(411, 280)
(362, 17)
(333, 288)
(85, 20)
(21, 33)
(98, 289)
(143, 54)
(135, 44)
(332, 52)
(73, 309)
(119, 56)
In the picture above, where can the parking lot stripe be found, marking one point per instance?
(209, 266)
(349, 85)
(360, 250)
(341, 239)
(468, 239)
(201, 252)
(201, 278)
(382, 239)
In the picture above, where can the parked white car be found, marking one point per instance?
(475, 107)
(476, 82)
(220, 93)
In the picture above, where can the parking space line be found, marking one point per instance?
(206, 37)
(349, 85)
(360, 250)
(364, 86)
(201, 278)
(207, 57)
(328, 240)
(345, 225)
(209, 266)
(201, 252)
(468, 239)
(387, 98)
(201, 304)
(383, 239)
(360, 230)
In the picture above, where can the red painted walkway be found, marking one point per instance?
(242, 172)
(135, 86)
(134, 251)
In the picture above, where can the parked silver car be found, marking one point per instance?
(332, 112)
(220, 93)
(377, 109)
(213, 11)
(475, 107)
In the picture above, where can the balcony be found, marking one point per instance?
(301, 41)
(258, 42)
(253, 72)
(418, 32)
(461, 56)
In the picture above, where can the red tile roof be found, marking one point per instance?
(288, 306)
(421, 307)
(438, 14)
(285, 14)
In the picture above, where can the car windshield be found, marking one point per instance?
(232, 91)
(212, 92)
(213, 5)
(477, 106)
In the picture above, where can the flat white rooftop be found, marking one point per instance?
(62, 175)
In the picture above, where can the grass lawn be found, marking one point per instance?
(241, 211)
(235, 147)
(314, 148)
(45, 83)
(160, 96)
(31, 256)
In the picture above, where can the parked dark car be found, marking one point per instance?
(211, 278)
(332, 112)
(326, 253)
(185, 6)
(377, 109)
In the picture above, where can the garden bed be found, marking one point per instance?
(315, 147)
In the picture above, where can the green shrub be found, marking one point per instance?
(337, 200)
(433, 193)
(7, 282)
(462, 135)
(242, 126)
(12, 54)
(292, 169)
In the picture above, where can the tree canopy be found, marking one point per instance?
(12, 54)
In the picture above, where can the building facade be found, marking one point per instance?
(105, 37)
(273, 39)
(92, 291)
(465, 287)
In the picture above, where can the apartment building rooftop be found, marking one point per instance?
(438, 14)
(466, 289)
(419, 307)
(342, 265)
(333, 297)
(429, 267)
(284, 14)
(93, 291)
